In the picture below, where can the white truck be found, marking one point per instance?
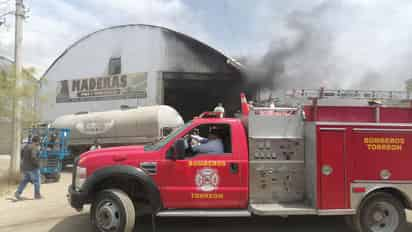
(140, 125)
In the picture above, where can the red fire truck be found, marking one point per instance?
(312, 160)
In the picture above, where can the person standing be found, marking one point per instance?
(30, 168)
(220, 109)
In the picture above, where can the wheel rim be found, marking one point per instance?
(383, 217)
(108, 216)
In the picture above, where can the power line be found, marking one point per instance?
(8, 11)
(5, 2)
(5, 6)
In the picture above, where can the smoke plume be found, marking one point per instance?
(337, 44)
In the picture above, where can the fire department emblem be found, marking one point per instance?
(207, 179)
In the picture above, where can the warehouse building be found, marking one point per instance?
(136, 65)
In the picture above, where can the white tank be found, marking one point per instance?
(120, 127)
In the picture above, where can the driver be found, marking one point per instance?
(212, 144)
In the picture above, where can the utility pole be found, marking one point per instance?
(17, 103)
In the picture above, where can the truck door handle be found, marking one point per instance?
(234, 168)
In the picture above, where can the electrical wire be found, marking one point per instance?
(5, 7)
(7, 13)
(5, 2)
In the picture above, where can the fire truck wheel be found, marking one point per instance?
(112, 211)
(349, 221)
(381, 212)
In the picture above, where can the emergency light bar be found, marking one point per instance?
(349, 93)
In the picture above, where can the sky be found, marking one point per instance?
(333, 43)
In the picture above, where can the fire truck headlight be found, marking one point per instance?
(81, 174)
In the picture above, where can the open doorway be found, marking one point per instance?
(199, 93)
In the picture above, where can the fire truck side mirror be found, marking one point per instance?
(180, 149)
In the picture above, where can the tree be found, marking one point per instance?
(28, 93)
(408, 85)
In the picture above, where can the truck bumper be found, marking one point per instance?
(76, 199)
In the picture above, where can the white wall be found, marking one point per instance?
(142, 49)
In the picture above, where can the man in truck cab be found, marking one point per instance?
(213, 144)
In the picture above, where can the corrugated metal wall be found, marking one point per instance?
(142, 49)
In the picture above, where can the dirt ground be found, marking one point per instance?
(4, 173)
(54, 214)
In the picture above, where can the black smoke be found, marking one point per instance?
(329, 46)
(297, 61)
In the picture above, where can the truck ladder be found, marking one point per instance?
(350, 94)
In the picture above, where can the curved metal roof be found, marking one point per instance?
(229, 60)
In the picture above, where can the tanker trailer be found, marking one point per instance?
(140, 125)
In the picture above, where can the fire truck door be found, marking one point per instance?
(331, 168)
(205, 180)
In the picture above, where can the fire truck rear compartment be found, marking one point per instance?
(278, 167)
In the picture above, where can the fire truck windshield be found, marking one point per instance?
(165, 140)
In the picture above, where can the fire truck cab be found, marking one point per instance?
(312, 160)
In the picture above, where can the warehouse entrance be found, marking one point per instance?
(193, 93)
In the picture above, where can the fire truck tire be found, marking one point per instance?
(113, 211)
(349, 221)
(381, 212)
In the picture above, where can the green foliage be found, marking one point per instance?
(408, 84)
(27, 94)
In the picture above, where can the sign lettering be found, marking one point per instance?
(102, 88)
(214, 196)
(384, 143)
(207, 163)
